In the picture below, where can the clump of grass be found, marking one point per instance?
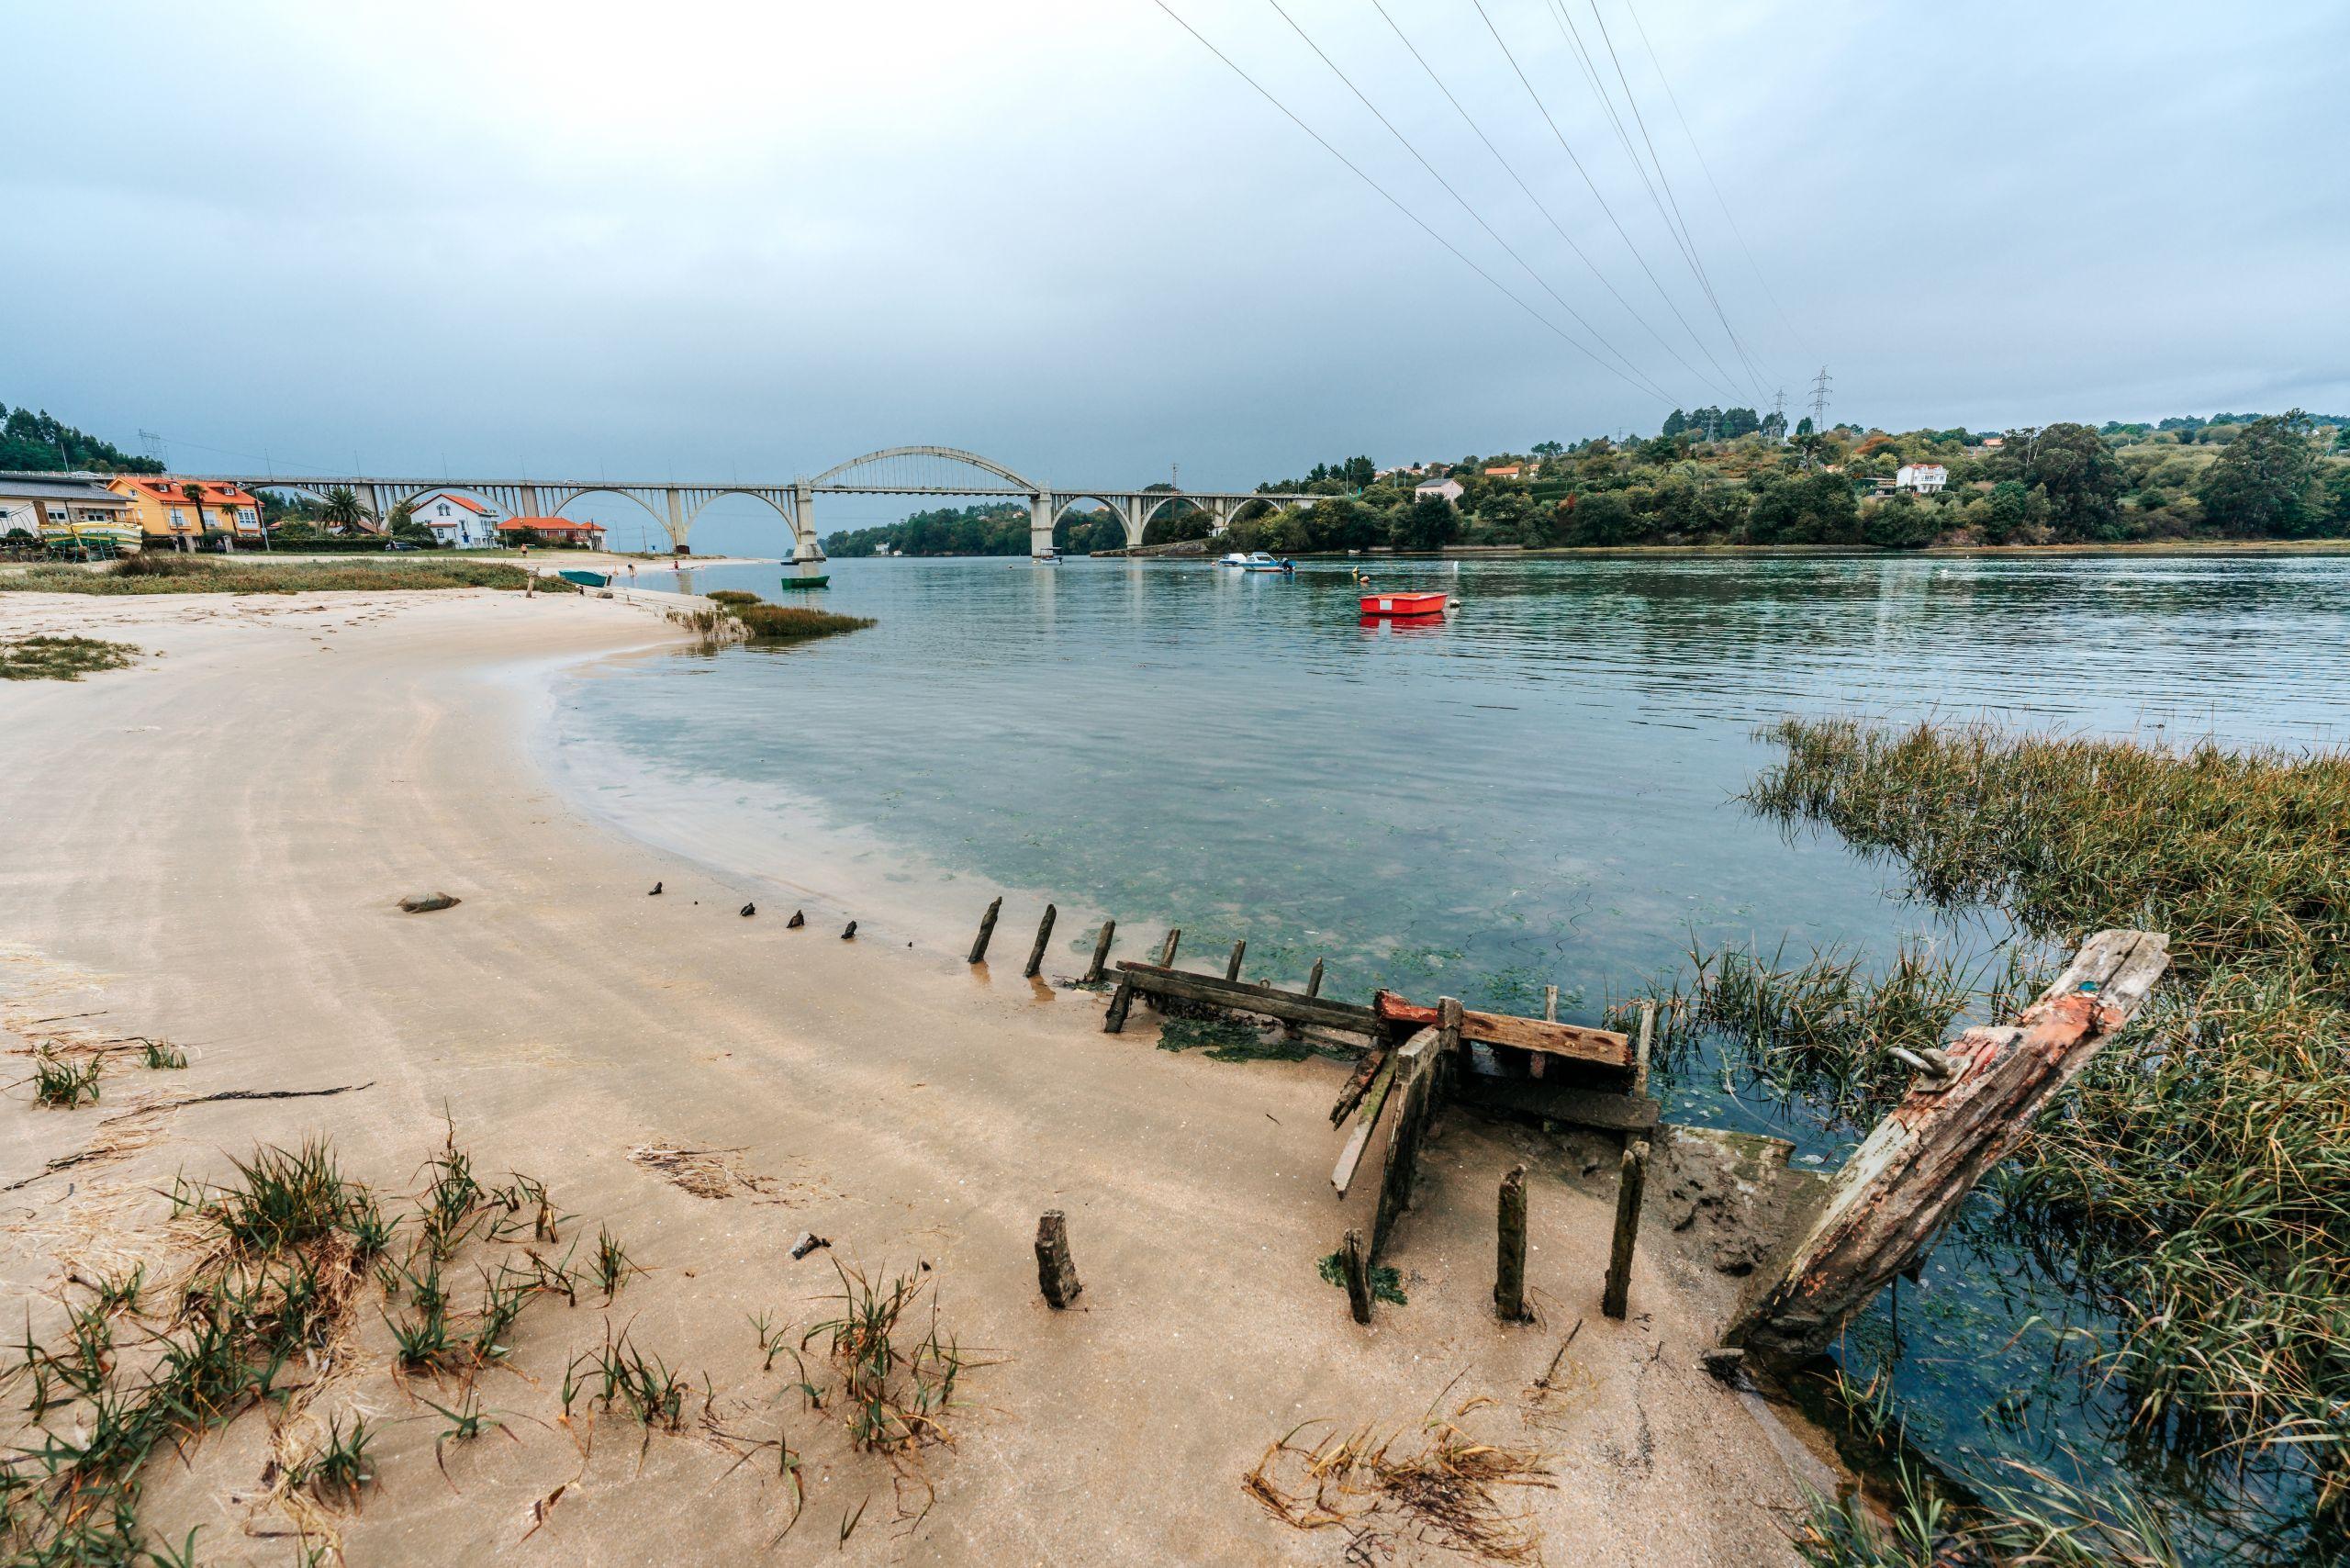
(894, 1395)
(627, 1377)
(2194, 1186)
(163, 573)
(63, 1083)
(731, 597)
(339, 1468)
(161, 1057)
(1386, 1284)
(2043, 1522)
(611, 1265)
(61, 659)
(1434, 1485)
(793, 623)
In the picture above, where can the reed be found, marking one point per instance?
(2197, 1184)
(793, 623)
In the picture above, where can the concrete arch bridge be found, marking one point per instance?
(911, 471)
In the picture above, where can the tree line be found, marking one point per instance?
(36, 442)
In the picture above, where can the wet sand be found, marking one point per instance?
(207, 848)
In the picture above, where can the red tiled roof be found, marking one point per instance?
(169, 490)
(453, 498)
(548, 525)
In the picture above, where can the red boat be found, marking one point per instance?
(1400, 604)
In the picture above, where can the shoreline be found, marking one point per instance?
(296, 766)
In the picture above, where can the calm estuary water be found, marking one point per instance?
(1541, 789)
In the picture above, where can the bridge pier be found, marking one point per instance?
(1041, 516)
(803, 523)
(676, 524)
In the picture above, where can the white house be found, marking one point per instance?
(1439, 486)
(458, 521)
(1920, 478)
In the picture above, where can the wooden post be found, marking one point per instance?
(1167, 953)
(1357, 1269)
(986, 930)
(1055, 1276)
(1898, 1188)
(1632, 1185)
(1641, 1051)
(1314, 980)
(1415, 1067)
(1509, 1257)
(1448, 1028)
(1232, 970)
(1535, 1060)
(1044, 934)
(1121, 1001)
(1101, 952)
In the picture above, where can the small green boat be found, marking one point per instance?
(586, 580)
(822, 580)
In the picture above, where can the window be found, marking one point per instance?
(179, 518)
(56, 513)
(245, 516)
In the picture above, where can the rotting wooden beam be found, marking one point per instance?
(1232, 970)
(1509, 1250)
(987, 931)
(1044, 934)
(1314, 980)
(1356, 1267)
(1245, 996)
(1373, 1101)
(1101, 952)
(1413, 1094)
(1358, 1082)
(1631, 1188)
(1167, 948)
(1899, 1189)
(1120, 1001)
(1604, 1046)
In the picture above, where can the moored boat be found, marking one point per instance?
(822, 580)
(1403, 604)
(584, 578)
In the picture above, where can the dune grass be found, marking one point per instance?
(2195, 1183)
(792, 623)
(60, 658)
(147, 574)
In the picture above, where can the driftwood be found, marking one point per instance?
(1242, 996)
(1055, 1276)
(1357, 1083)
(1901, 1185)
(1374, 1101)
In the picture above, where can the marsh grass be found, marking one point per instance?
(2196, 1185)
(793, 623)
(2038, 1522)
(61, 659)
(163, 573)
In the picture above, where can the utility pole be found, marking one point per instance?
(1819, 402)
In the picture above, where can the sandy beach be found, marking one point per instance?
(208, 848)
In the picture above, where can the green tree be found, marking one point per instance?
(1598, 517)
(2011, 513)
(2265, 484)
(1675, 423)
(1814, 509)
(342, 507)
(1426, 524)
(1803, 425)
(2079, 475)
(1901, 524)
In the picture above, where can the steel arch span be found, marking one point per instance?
(900, 482)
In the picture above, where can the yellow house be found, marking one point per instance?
(166, 508)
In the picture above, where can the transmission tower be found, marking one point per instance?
(1820, 400)
(1779, 414)
(154, 446)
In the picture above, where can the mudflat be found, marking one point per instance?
(208, 849)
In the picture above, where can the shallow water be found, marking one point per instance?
(1539, 790)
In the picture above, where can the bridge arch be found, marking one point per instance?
(1013, 481)
(763, 497)
(1063, 500)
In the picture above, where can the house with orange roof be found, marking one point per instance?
(457, 522)
(1506, 471)
(554, 530)
(190, 512)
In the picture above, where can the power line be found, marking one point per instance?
(1461, 201)
(1539, 204)
(1688, 239)
(1593, 187)
(1819, 402)
(1720, 200)
(1352, 168)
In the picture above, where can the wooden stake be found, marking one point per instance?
(1055, 1276)
(1101, 952)
(1232, 970)
(1044, 934)
(1632, 1185)
(1357, 1269)
(1902, 1184)
(1509, 1257)
(986, 930)
(1549, 1005)
(1314, 980)
(1641, 1051)
(1167, 953)
(1121, 1001)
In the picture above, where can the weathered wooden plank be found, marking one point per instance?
(1246, 997)
(1893, 1197)
(1413, 1094)
(1358, 1082)
(1604, 1046)
(1374, 1101)
(1631, 1188)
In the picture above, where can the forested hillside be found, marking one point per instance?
(37, 442)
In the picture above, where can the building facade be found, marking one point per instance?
(555, 531)
(188, 512)
(48, 506)
(1920, 478)
(1442, 487)
(457, 522)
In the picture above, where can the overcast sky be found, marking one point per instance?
(750, 239)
